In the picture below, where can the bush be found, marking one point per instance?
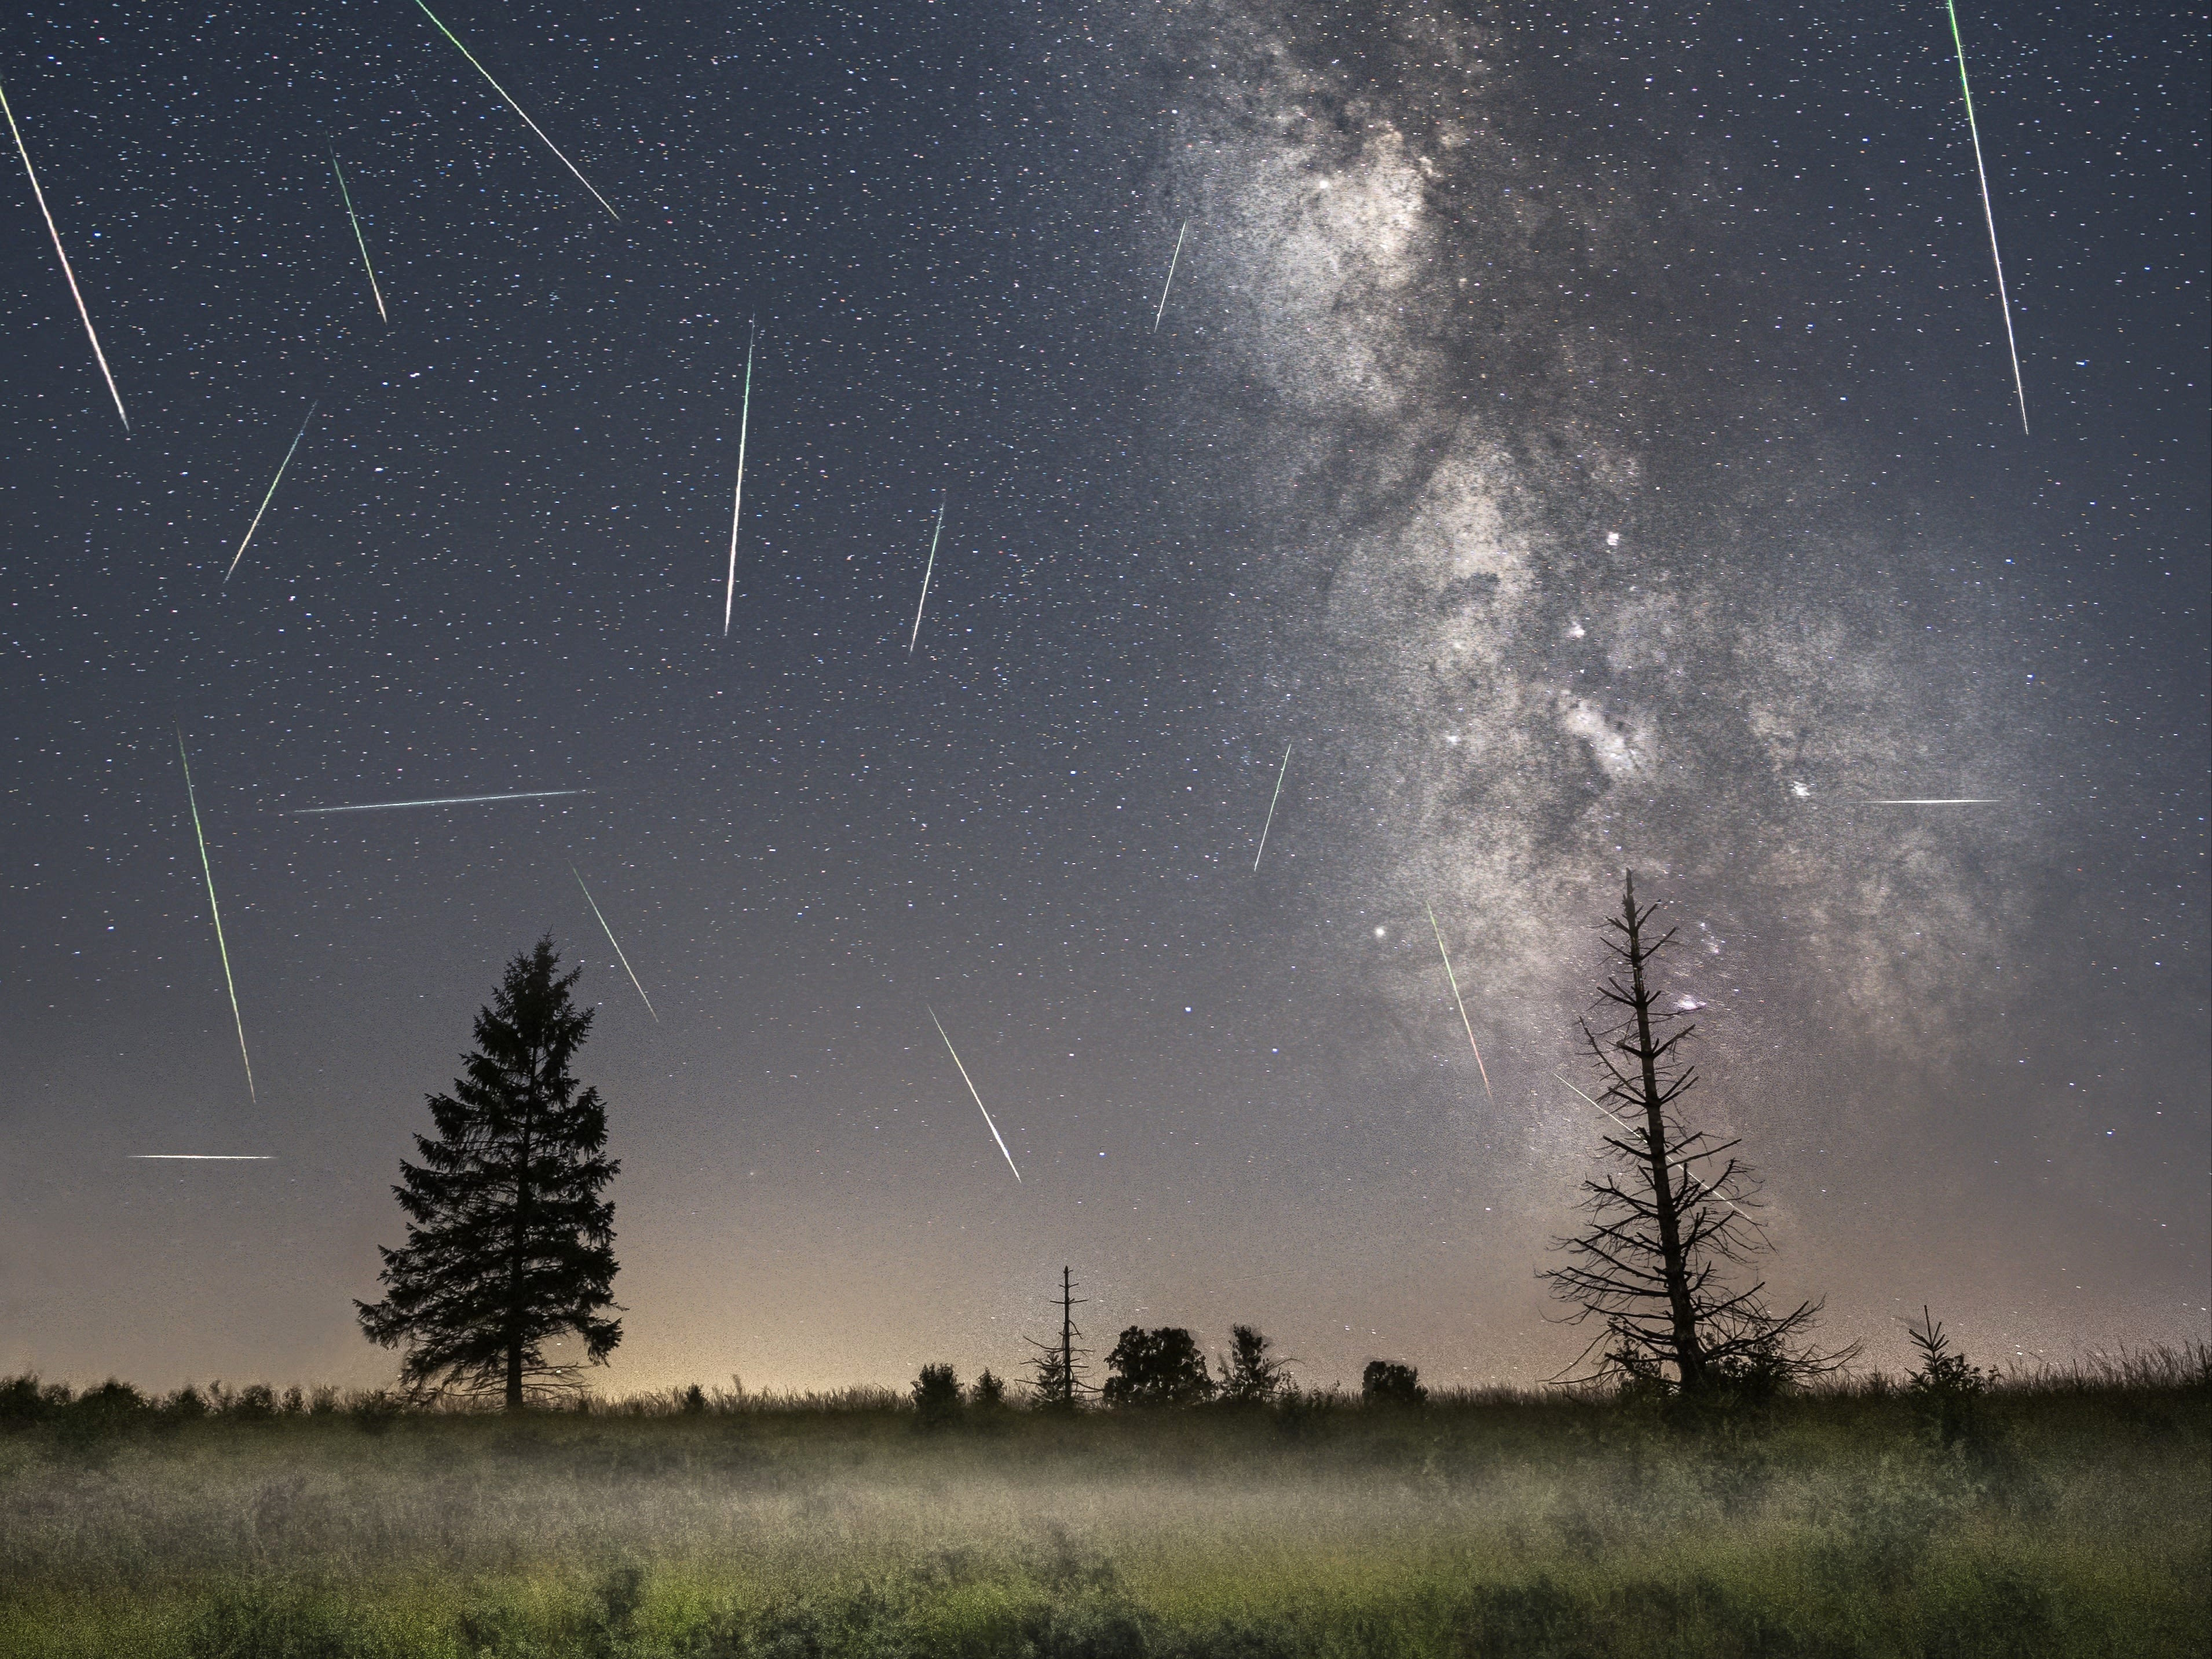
(989, 1393)
(1387, 1382)
(1158, 1367)
(936, 1395)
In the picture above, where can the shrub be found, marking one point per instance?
(987, 1393)
(936, 1395)
(1158, 1367)
(1388, 1382)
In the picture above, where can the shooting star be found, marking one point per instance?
(1170, 283)
(216, 910)
(1988, 212)
(518, 109)
(440, 800)
(204, 1157)
(610, 932)
(972, 1095)
(60, 253)
(1944, 800)
(347, 196)
(738, 506)
(271, 495)
(1272, 799)
(928, 570)
(1681, 1164)
(1454, 979)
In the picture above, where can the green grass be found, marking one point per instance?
(2072, 1515)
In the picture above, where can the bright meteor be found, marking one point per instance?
(440, 800)
(1680, 1165)
(928, 570)
(972, 1095)
(271, 495)
(216, 910)
(610, 932)
(204, 1157)
(347, 196)
(738, 506)
(518, 109)
(1454, 979)
(1941, 800)
(1272, 799)
(62, 254)
(1989, 212)
(1170, 283)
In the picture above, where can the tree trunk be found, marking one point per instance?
(1689, 1358)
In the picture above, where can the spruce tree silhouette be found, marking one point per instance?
(509, 1245)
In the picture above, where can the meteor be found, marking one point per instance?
(738, 506)
(972, 1095)
(216, 910)
(610, 932)
(441, 800)
(1680, 1165)
(927, 571)
(1272, 799)
(518, 109)
(1457, 998)
(1944, 800)
(205, 1158)
(271, 495)
(348, 195)
(1989, 213)
(59, 254)
(1170, 283)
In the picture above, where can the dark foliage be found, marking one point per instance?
(1388, 1382)
(936, 1395)
(510, 1245)
(1251, 1374)
(988, 1392)
(1158, 1367)
(1946, 1384)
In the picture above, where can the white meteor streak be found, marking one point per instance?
(1945, 801)
(205, 1158)
(1988, 212)
(738, 506)
(61, 254)
(518, 109)
(216, 910)
(1680, 1165)
(347, 196)
(1272, 799)
(1170, 283)
(610, 932)
(928, 570)
(441, 800)
(271, 495)
(972, 1095)
(1457, 998)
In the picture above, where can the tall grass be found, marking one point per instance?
(2068, 1512)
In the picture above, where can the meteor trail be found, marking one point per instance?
(972, 1095)
(206, 1158)
(1678, 1164)
(271, 495)
(1272, 799)
(1988, 212)
(441, 800)
(518, 109)
(348, 195)
(928, 570)
(60, 254)
(1946, 800)
(1170, 283)
(738, 506)
(1454, 979)
(216, 910)
(610, 932)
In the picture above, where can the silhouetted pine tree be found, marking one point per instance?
(509, 1245)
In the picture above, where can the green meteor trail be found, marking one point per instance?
(610, 932)
(1988, 212)
(1272, 799)
(738, 506)
(271, 495)
(1454, 979)
(972, 1095)
(347, 196)
(216, 910)
(62, 254)
(1170, 283)
(518, 110)
(928, 570)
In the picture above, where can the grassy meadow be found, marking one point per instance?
(2055, 1514)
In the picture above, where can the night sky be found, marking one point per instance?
(1584, 438)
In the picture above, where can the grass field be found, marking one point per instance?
(2064, 1515)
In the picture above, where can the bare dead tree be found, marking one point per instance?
(1673, 1225)
(1056, 1381)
